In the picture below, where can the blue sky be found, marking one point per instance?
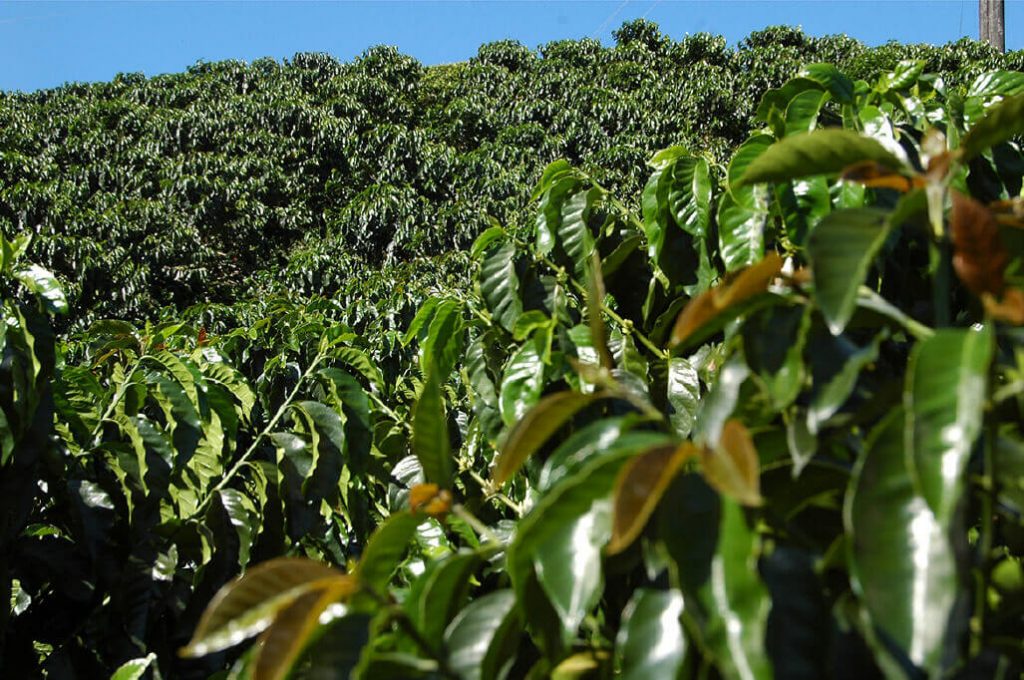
(45, 44)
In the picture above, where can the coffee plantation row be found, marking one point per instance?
(753, 414)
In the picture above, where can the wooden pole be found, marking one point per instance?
(991, 20)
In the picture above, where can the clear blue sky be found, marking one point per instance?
(44, 44)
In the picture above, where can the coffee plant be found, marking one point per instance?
(742, 414)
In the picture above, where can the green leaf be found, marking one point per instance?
(44, 285)
(832, 79)
(483, 636)
(841, 249)
(683, 388)
(567, 561)
(549, 213)
(802, 112)
(430, 440)
(738, 599)
(499, 285)
(483, 241)
(134, 669)
(442, 347)
(422, 319)
(248, 605)
(651, 643)
(575, 511)
(739, 166)
(720, 402)
(440, 593)
(773, 342)
(821, 152)
(521, 384)
(385, 549)
(829, 398)
(574, 230)
(537, 426)
(1003, 121)
(740, 233)
(944, 397)
(327, 444)
(903, 76)
(901, 563)
(689, 195)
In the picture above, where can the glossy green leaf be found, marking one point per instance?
(738, 599)
(44, 285)
(574, 229)
(689, 195)
(821, 152)
(499, 285)
(944, 397)
(1002, 121)
(434, 602)
(841, 249)
(832, 79)
(430, 433)
(442, 347)
(901, 563)
(903, 76)
(537, 426)
(385, 549)
(567, 561)
(720, 402)
(134, 669)
(651, 643)
(802, 112)
(740, 232)
(521, 384)
(484, 241)
(576, 511)
(739, 165)
(483, 635)
(326, 448)
(683, 389)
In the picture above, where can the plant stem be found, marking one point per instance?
(244, 458)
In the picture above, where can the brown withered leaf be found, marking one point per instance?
(1010, 309)
(709, 304)
(732, 467)
(639, 487)
(979, 257)
(878, 176)
(430, 500)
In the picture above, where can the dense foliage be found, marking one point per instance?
(755, 415)
(204, 185)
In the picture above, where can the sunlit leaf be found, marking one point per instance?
(944, 397)
(651, 643)
(901, 563)
(821, 152)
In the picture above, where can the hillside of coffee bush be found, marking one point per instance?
(235, 178)
(454, 373)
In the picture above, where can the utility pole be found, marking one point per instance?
(991, 20)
